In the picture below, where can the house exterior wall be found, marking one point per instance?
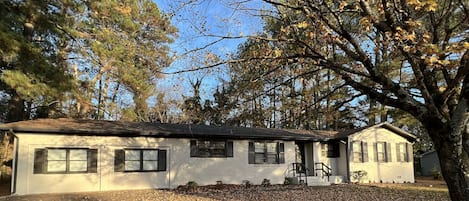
(181, 168)
(430, 164)
(337, 164)
(309, 157)
(342, 161)
(309, 161)
(387, 172)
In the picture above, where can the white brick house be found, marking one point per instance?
(66, 155)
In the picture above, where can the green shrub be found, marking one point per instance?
(247, 183)
(192, 185)
(359, 175)
(265, 182)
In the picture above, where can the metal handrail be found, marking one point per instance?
(324, 169)
(300, 170)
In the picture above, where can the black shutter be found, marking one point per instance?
(92, 160)
(376, 151)
(119, 160)
(351, 150)
(229, 148)
(365, 151)
(410, 153)
(251, 156)
(398, 152)
(193, 148)
(162, 160)
(388, 152)
(39, 161)
(281, 153)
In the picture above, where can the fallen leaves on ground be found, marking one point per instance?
(254, 193)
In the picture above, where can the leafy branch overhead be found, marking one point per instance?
(410, 55)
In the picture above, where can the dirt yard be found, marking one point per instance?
(421, 190)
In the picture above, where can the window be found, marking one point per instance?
(323, 150)
(65, 160)
(333, 150)
(263, 152)
(382, 152)
(359, 151)
(211, 148)
(140, 160)
(330, 149)
(403, 152)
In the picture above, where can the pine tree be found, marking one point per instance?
(33, 77)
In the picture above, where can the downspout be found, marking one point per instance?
(15, 163)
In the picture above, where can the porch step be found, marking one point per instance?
(318, 181)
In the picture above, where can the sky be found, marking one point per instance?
(200, 22)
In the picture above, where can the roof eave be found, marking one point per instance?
(153, 134)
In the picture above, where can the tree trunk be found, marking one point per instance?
(454, 171)
(454, 161)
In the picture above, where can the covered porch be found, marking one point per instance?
(319, 163)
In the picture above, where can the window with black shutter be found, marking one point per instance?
(266, 152)
(382, 151)
(359, 151)
(65, 160)
(208, 148)
(139, 160)
(404, 152)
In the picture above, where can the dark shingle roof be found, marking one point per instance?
(385, 125)
(133, 129)
(123, 128)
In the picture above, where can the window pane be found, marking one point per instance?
(132, 165)
(217, 152)
(150, 165)
(78, 154)
(259, 147)
(357, 147)
(218, 145)
(132, 155)
(272, 147)
(323, 150)
(271, 158)
(259, 158)
(402, 152)
(203, 152)
(150, 154)
(380, 147)
(56, 154)
(56, 166)
(401, 148)
(357, 157)
(203, 144)
(380, 156)
(78, 166)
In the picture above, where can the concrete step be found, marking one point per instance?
(318, 181)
